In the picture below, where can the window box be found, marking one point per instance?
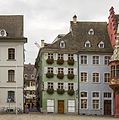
(70, 76)
(70, 61)
(60, 75)
(50, 61)
(60, 91)
(50, 91)
(49, 75)
(70, 92)
(60, 61)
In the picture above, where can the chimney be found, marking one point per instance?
(74, 19)
(42, 43)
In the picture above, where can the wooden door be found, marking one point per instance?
(60, 106)
(107, 107)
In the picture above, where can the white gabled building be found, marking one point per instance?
(11, 61)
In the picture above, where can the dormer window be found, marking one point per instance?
(101, 44)
(3, 33)
(62, 44)
(87, 44)
(91, 32)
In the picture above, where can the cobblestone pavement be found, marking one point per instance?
(36, 116)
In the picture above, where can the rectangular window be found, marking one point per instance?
(11, 75)
(60, 70)
(83, 94)
(60, 56)
(106, 60)
(83, 77)
(95, 59)
(50, 105)
(70, 70)
(70, 56)
(106, 77)
(50, 84)
(60, 85)
(70, 86)
(83, 103)
(95, 77)
(107, 95)
(11, 53)
(95, 94)
(83, 59)
(11, 96)
(71, 105)
(95, 104)
(50, 70)
(50, 55)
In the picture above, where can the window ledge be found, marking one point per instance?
(11, 59)
(11, 81)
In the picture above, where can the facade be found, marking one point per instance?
(29, 87)
(11, 62)
(89, 45)
(114, 79)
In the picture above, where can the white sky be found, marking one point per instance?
(45, 19)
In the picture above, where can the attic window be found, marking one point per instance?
(101, 44)
(91, 32)
(87, 44)
(62, 44)
(3, 33)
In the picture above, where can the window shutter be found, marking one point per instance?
(45, 86)
(45, 56)
(75, 71)
(75, 57)
(66, 86)
(45, 70)
(65, 57)
(65, 71)
(55, 86)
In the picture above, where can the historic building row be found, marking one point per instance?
(72, 72)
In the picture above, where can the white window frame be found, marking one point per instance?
(60, 56)
(70, 70)
(70, 56)
(106, 79)
(62, 44)
(84, 59)
(84, 78)
(50, 84)
(87, 43)
(50, 55)
(106, 60)
(101, 44)
(95, 77)
(70, 86)
(71, 106)
(60, 85)
(60, 70)
(95, 60)
(50, 69)
(107, 96)
(91, 31)
(50, 105)
(84, 98)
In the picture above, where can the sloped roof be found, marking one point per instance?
(76, 38)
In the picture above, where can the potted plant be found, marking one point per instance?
(70, 61)
(50, 91)
(70, 92)
(70, 76)
(49, 75)
(60, 91)
(60, 75)
(60, 61)
(50, 61)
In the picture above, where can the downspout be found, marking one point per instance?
(78, 84)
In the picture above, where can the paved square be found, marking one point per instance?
(51, 117)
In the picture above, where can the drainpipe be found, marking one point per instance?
(78, 85)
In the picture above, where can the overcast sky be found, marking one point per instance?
(45, 19)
